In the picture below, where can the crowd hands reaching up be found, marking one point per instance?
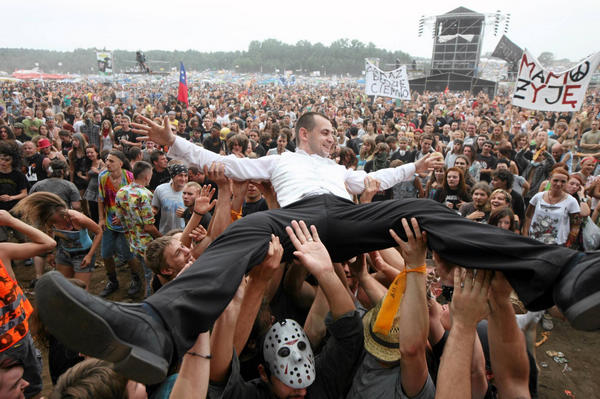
(91, 171)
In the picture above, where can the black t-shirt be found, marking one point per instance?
(253, 207)
(404, 155)
(158, 178)
(34, 170)
(212, 144)
(204, 222)
(12, 184)
(487, 162)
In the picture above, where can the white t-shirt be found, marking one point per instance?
(550, 222)
(168, 201)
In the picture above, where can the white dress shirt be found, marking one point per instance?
(294, 175)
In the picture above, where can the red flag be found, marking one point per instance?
(182, 93)
(446, 90)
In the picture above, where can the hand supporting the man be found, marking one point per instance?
(314, 256)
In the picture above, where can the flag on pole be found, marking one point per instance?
(182, 93)
(446, 90)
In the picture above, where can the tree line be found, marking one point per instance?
(340, 57)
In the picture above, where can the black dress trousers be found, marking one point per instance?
(192, 302)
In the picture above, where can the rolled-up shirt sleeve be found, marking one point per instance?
(235, 168)
(388, 177)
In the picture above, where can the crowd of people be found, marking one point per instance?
(89, 178)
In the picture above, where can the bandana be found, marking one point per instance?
(288, 354)
(176, 169)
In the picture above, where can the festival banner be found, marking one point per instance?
(541, 89)
(508, 51)
(104, 59)
(393, 84)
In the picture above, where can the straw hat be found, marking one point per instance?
(384, 347)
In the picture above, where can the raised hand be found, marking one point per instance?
(415, 248)
(161, 135)
(309, 248)
(371, 188)
(265, 270)
(470, 299)
(203, 202)
(216, 173)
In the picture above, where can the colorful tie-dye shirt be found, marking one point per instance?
(107, 194)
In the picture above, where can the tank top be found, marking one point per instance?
(72, 241)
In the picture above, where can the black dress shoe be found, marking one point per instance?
(577, 293)
(137, 344)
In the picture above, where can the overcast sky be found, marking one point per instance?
(568, 29)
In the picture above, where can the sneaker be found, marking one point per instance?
(134, 287)
(547, 323)
(111, 287)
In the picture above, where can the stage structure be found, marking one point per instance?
(457, 39)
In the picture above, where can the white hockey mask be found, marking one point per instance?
(288, 354)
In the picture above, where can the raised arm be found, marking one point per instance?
(314, 256)
(508, 355)
(191, 154)
(39, 242)
(413, 310)
(389, 177)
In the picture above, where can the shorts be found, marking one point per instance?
(74, 260)
(115, 243)
(26, 352)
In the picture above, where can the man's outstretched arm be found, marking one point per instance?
(389, 177)
(236, 168)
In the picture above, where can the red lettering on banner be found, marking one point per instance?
(525, 61)
(535, 91)
(552, 75)
(572, 103)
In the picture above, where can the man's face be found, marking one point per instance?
(189, 195)
(282, 391)
(320, 138)
(281, 142)
(113, 163)
(486, 149)
(12, 383)
(177, 255)
(179, 181)
(595, 125)
(253, 136)
(471, 130)
(162, 161)
(28, 149)
(557, 152)
(253, 193)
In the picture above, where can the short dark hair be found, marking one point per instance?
(133, 153)
(58, 167)
(11, 149)
(505, 176)
(140, 168)
(308, 122)
(155, 155)
(119, 154)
